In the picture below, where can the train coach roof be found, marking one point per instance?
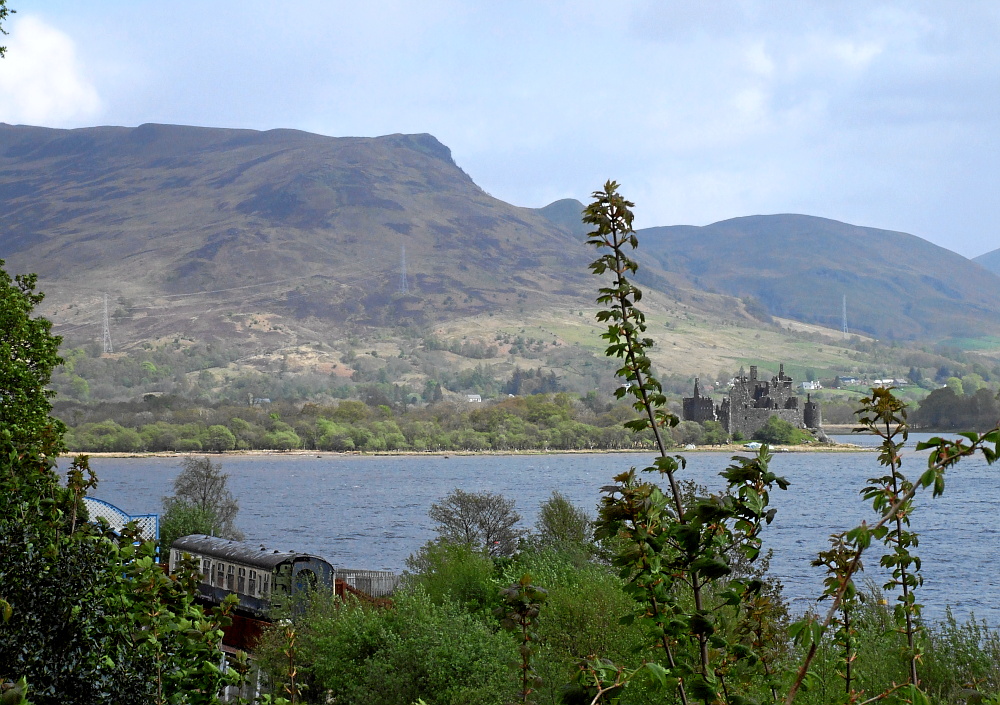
(235, 551)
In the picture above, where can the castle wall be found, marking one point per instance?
(700, 409)
(747, 422)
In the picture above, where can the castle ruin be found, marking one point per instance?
(751, 402)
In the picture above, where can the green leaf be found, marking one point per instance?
(711, 567)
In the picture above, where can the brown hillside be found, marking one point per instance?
(185, 222)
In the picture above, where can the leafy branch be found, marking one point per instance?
(669, 550)
(944, 454)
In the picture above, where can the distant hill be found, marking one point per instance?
(567, 213)
(991, 260)
(898, 286)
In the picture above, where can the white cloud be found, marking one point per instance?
(41, 81)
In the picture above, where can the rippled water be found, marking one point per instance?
(371, 512)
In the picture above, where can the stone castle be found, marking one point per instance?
(751, 402)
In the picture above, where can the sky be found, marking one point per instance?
(882, 114)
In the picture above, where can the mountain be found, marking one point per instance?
(898, 286)
(313, 227)
(991, 260)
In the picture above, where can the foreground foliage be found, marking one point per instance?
(673, 602)
(87, 616)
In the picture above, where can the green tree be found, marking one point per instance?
(715, 433)
(779, 431)
(483, 520)
(201, 500)
(4, 13)
(218, 439)
(560, 523)
(28, 355)
(183, 519)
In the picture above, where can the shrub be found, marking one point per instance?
(355, 654)
(456, 573)
(779, 431)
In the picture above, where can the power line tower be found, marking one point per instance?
(108, 347)
(403, 288)
(844, 316)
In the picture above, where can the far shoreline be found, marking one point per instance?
(730, 448)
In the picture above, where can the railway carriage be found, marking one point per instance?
(262, 580)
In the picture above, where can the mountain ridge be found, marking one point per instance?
(898, 285)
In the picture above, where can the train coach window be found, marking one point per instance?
(252, 588)
(206, 569)
(220, 575)
(265, 584)
(241, 580)
(305, 580)
(230, 578)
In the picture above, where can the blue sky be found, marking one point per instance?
(884, 114)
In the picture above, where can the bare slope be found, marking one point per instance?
(311, 226)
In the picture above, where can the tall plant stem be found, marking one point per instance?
(631, 355)
(847, 648)
(670, 655)
(894, 467)
(942, 462)
(625, 305)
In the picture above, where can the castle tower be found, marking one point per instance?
(812, 415)
(698, 408)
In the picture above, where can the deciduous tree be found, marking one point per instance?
(28, 354)
(201, 500)
(484, 520)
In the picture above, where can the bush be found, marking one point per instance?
(562, 524)
(715, 434)
(958, 658)
(779, 431)
(183, 519)
(456, 573)
(355, 654)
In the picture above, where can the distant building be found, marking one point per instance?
(751, 402)
(473, 398)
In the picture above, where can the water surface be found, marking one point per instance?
(371, 512)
